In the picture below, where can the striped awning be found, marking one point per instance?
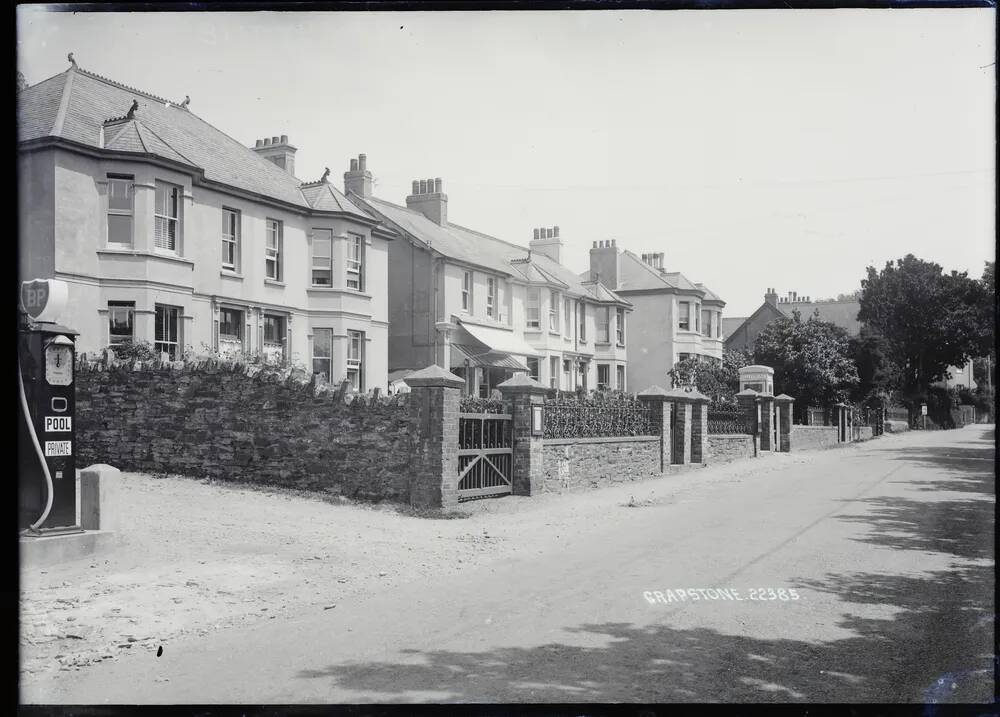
(483, 357)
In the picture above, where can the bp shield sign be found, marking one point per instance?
(44, 299)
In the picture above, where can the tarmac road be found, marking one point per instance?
(887, 548)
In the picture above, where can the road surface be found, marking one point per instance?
(887, 547)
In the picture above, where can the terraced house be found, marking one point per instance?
(488, 308)
(169, 231)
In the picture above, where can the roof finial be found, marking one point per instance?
(325, 174)
(186, 102)
(132, 109)
(71, 60)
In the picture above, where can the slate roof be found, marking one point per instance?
(76, 104)
(841, 313)
(479, 249)
(637, 275)
(730, 324)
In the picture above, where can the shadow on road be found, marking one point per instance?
(664, 664)
(949, 613)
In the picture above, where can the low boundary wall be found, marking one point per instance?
(574, 464)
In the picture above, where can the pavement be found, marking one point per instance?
(886, 546)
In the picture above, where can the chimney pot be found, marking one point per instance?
(260, 143)
(284, 139)
(430, 186)
(275, 140)
(354, 165)
(416, 187)
(536, 234)
(423, 186)
(614, 242)
(437, 184)
(556, 230)
(362, 162)
(548, 233)
(595, 245)
(267, 141)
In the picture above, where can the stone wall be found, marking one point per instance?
(805, 438)
(572, 464)
(237, 423)
(723, 448)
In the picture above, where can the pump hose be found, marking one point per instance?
(38, 449)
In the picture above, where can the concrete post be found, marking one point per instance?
(100, 507)
(784, 404)
(766, 428)
(434, 480)
(747, 401)
(520, 395)
(660, 404)
(841, 422)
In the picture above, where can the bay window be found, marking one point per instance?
(167, 216)
(355, 359)
(322, 257)
(121, 322)
(121, 208)
(230, 332)
(604, 325)
(684, 315)
(620, 326)
(355, 262)
(532, 310)
(167, 331)
(553, 311)
(322, 353)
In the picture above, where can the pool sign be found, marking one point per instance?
(44, 299)
(58, 424)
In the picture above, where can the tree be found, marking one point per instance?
(877, 374)
(929, 320)
(21, 82)
(718, 381)
(811, 359)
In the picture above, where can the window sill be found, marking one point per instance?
(337, 290)
(230, 274)
(602, 344)
(148, 254)
(532, 330)
(620, 346)
(274, 282)
(555, 333)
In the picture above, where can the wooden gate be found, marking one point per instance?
(485, 455)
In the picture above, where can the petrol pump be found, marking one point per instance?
(47, 392)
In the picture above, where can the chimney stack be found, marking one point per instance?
(358, 180)
(429, 199)
(278, 151)
(606, 263)
(547, 242)
(770, 297)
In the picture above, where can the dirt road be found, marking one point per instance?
(886, 546)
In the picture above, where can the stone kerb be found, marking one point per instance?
(520, 394)
(784, 409)
(435, 394)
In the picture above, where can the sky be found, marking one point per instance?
(754, 148)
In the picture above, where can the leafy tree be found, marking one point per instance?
(877, 374)
(718, 381)
(811, 359)
(929, 320)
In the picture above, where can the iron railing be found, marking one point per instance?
(597, 417)
(728, 420)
